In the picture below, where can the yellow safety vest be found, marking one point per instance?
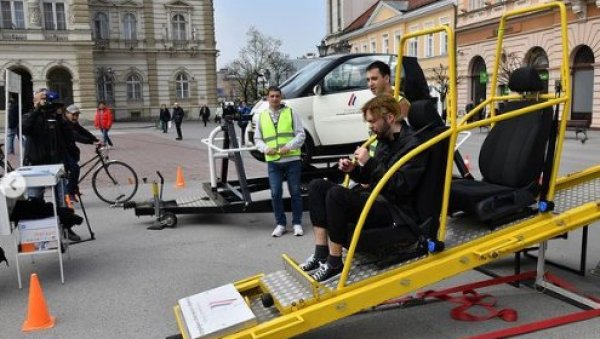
(277, 137)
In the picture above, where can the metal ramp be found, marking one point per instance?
(301, 304)
(297, 304)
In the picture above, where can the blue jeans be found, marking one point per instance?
(10, 140)
(72, 167)
(106, 139)
(292, 171)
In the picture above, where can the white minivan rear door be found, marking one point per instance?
(337, 115)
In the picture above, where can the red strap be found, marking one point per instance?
(539, 325)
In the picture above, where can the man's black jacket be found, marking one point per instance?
(45, 131)
(76, 133)
(400, 189)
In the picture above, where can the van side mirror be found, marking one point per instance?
(317, 90)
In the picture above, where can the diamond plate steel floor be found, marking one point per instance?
(290, 288)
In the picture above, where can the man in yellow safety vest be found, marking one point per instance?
(279, 136)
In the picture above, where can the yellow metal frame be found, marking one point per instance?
(346, 299)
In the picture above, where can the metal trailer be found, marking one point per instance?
(221, 195)
(289, 302)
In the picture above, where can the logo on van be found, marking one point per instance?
(352, 101)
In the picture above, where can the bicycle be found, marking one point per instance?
(2, 157)
(113, 181)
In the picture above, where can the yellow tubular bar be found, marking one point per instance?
(451, 133)
(364, 145)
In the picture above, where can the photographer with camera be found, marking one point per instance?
(47, 136)
(45, 130)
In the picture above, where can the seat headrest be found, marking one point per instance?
(423, 113)
(525, 79)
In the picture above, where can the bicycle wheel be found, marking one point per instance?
(115, 182)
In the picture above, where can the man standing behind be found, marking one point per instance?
(280, 136)
(165, 117)
(378, 80)
(103, 121)
(204, 114)
(244, 112)
(178, 119)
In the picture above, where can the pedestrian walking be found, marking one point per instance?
(13, 125)
(165, 117)
(244, 116)
(103, 121)
(178, 119)
(279, 135)
(218, 114)
(204, 114)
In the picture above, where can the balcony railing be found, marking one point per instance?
(56, 35)
(180, 44)
(101, 43)
(12, 34)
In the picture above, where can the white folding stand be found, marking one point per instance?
(41, 176)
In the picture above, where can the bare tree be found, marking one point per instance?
(281, 68)
(260, 53)
(509, 62)
(441, 80)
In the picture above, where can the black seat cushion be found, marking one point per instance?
(467, 193)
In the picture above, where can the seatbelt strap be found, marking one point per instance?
(547, 172)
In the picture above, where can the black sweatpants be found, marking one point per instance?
(337, 209)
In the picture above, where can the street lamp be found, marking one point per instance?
(322, 48)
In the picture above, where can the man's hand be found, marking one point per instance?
(284, 150)
(362, 155)
(346, 165)
(270, 151)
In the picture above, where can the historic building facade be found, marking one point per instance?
(134, 54)
(380, 28)
(533, 40)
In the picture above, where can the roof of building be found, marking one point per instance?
(398, 5)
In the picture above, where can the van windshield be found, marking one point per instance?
(296, 82)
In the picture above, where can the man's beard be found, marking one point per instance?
(383, 134)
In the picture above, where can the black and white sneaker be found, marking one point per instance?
(326, 272)
(312, 263)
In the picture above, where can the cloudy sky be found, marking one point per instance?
(299, 24)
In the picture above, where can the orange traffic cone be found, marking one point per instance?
(468, 163)
(180, 181)
(38, 317)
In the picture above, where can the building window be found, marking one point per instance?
(182, 86)
(178, 27)
(11, 13)
(134, 88)
(101, 26)
(476, 4)
(429, 45)
(386, 44)
(105, 87)
(444, 37)
(413, 47)
(397, 38)
(339, 15)
(54, 16)
(365, 48)
(129, 27)
(373, 46)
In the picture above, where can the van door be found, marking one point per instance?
(337, 115)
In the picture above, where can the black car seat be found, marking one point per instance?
(511, 160)
(427, 123)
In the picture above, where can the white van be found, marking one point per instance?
(328, 94)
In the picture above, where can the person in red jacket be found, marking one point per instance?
(103, 121)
